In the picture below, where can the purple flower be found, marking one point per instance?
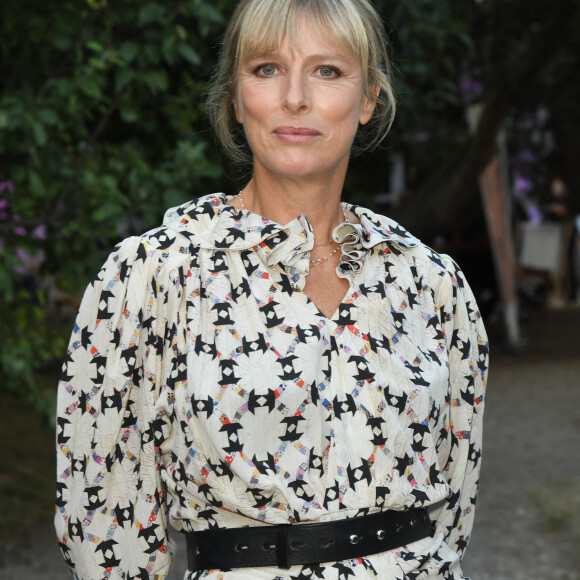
(6, 185)
(19, 231)
(523, 185)
(39, 232)
(534, 215)
(471, 86)
(28, 263)
(4, 203)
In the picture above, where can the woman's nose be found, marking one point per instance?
(297, 93)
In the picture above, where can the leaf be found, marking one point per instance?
(156, 80)
(123, 78)
(168, 49)
(208, 14)
(90, 88)
(95, 46)
(38, 132)
(47, 116)
(109, 182)
(36, 185)
(108, 210)
(187, 52)
(61, 42)
(150, 13)
(181, 32)
(174, 197)
(129, 115)
(97, 4)
(129, 51)
(97, 63)
(7, 283)
(464, 37)
(151, 54)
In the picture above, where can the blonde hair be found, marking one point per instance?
(262, 25)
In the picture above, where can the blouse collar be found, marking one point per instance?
(211, 223)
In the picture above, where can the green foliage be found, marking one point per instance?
(100, 132)
(428, 40)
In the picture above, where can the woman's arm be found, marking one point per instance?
(460, 442)
(111, 513)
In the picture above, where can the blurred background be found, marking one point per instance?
(102, 129)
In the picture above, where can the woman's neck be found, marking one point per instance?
(282, 200)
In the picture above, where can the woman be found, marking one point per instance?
(303, 400)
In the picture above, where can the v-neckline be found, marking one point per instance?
(346, 299)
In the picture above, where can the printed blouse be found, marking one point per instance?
(203, 388)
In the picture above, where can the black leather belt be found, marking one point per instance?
(301, 544)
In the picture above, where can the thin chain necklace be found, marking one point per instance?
(319, 261)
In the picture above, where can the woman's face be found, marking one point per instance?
(301, 106)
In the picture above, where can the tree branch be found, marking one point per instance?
(445, 199)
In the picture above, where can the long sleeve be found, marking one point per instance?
(111, 513)
(461, 439)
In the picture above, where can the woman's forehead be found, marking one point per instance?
(319, 50)
(301, 38)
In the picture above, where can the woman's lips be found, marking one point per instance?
(296, 134)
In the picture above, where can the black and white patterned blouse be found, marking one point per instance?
(203, 388)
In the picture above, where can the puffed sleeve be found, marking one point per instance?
(111, 516)
(459, 444)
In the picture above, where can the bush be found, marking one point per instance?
(100, 132)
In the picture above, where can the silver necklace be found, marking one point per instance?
(318, 261)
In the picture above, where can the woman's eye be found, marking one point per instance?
(327, 72)
(267, 70)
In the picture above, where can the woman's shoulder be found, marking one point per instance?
(182, 232)
(380, 228)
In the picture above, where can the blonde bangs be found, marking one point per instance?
(268, 24)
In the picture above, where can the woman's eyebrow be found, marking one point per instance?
(331, 56)
(326, 56)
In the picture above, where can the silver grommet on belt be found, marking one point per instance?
(381, 534)
(355, 539)
(412, 522)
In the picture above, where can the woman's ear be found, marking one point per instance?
(369, 105)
